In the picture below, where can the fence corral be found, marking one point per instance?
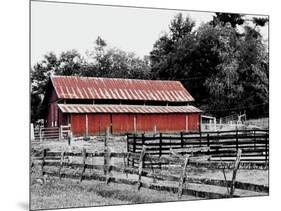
(46, 133)
(50, 133)
(222, 145)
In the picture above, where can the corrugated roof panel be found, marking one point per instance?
(73, 87)
(89, 108)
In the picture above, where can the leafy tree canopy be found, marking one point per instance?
(225, 70)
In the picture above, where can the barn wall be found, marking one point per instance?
(97, 123)
(78, 124)
(52, 118)
(127, 123)
(163, 122)
(52, 115)
(122, 123)
(193, 122)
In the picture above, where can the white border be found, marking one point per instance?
(14, 118)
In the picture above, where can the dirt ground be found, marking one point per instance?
(65, 193)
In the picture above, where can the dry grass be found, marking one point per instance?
(67, 193)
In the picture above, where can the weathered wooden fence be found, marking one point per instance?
(80, 165)
(46, 133)
(222, 145)
(51, 133)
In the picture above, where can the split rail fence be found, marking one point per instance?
(221, 145)
(66, 165)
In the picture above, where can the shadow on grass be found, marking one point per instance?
(132, 196)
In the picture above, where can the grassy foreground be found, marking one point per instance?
(66, 193)
(71, 193)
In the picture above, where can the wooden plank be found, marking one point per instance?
(140, 167)
(193, 192)
(61, 164)
(236, 166)
(84, 154)
(108, 169)
(182, 178)
(192, 149)
(105, 150)
(43, 161)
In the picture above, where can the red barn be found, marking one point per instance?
(90, 105)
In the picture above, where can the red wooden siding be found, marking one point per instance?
(104, 121)
(122, 123)
(176, 122)
(78, 124)
(125, 123)
(193, 121)
(163, 122)
(93, 124)
(97, 124)
(52, 119)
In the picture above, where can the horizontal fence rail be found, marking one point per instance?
(223, 145)
(74, 165)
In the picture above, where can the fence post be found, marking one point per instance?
(143, 144)
(236, 166)
(60, 133)
(108, 169)
(181, 142)
(61, 164)
(127, 149)
(160, 148)
(84, 155)
(200, 133)
(266, 148)
(255, 139)
(141, 161)
(40, 134)
(43, 161)
(208, 143)
(183, 177)
(105, 151)
(125, 156)
(134, 149)
(237, 140)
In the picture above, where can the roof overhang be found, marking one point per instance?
(94, 108)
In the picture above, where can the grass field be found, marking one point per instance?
(65, 193)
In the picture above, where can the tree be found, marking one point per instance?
(179, 27)
(254, 73)
(171, 56)
(260, 21)
(68, 63)
(224, 91)
(116, 63)
(224, 18)
(225, 69)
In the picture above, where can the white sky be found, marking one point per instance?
(59, 27)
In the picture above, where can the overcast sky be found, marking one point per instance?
(59, 27)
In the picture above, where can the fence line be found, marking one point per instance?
(48, 160)
(222, 144)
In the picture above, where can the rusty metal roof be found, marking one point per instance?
(73, 87)
(95, 108)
